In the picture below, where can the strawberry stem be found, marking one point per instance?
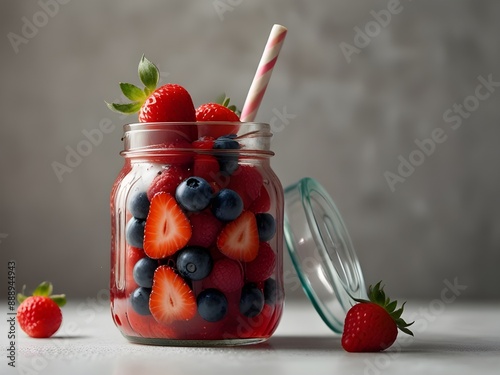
(149, 76)
(43, 290)
(148, 73)
(224, 101)
(377, 295)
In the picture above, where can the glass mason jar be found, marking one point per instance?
(197, 235)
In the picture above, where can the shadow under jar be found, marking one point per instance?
(197, 235)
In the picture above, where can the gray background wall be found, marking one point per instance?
(353, 121)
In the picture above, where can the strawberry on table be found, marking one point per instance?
(40, 315)
(168, 103)
(372, 325)
(167, 228)
(171, 298)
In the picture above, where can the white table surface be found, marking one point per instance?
(459, 338)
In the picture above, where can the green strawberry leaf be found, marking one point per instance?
(128, 108)
(224, 101)
(132, 92)
(44, 289)
(377, 295)
(391, 306)
(21, 296)
(59, 299)
(220, 99)
(406, 330)
(149, 74)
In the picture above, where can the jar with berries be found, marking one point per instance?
(197, 235)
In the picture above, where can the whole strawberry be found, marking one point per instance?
(168, 103)
(219, 111)
(40, 315)
(372, 326)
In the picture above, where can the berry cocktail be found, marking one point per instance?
(197, 223)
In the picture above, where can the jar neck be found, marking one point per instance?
(161, 138)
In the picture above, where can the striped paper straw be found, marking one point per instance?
(263, 74)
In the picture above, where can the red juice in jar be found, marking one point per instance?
(197, 235)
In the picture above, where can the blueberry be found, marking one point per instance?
(251, 301)
(212, 305)
(194, 263)
(271, 292)
(143, 272)
(139, 299)
(194, 194)
(135, 232)
(227, 205)
(138, 205)
(266, 226)
(228, 162)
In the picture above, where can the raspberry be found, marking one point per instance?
(226, 275)
(206, 228)
(247, 182)
(261, 267)
(206, 167)
(262, 203)
(167, 180)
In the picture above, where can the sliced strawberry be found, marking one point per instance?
(239, 239)
(171, 298)
(167, 180)
(167, 228)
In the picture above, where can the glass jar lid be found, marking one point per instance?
(322, 252)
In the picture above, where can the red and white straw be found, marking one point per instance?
(263, 74)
